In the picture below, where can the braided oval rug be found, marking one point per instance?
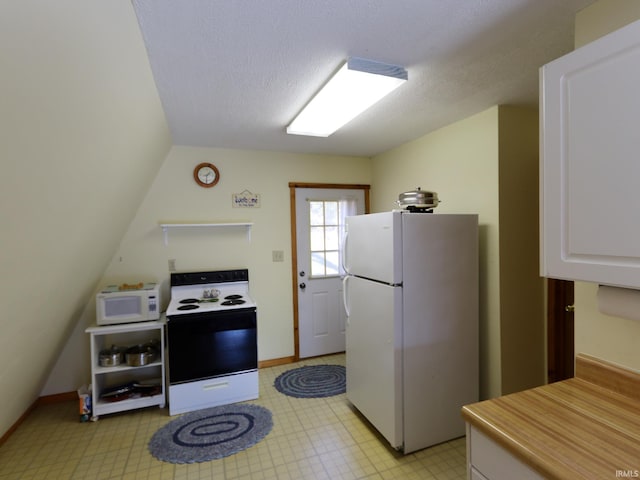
(211, 433)
(312, 381)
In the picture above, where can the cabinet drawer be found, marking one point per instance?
(191, 396)
(491, 461)
(476, 475)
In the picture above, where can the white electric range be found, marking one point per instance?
(212, 347)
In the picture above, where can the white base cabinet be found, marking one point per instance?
(103, 378)
(486, 460)
(589, 113)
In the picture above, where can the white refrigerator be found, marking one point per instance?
(411, 295)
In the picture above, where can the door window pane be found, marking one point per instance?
(317, 239)
(332, 263)
(331, 240)
(325, 231)
(331, 213)
(317, 264)
(316, 213)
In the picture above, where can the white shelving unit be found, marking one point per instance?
(167, 226)
(125, 335)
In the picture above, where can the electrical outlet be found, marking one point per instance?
(172, 264)
(277, 256)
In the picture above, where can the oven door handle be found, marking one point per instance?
(214, 386)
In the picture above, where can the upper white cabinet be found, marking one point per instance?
(590, 162)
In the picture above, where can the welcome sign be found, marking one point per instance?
(245, 199)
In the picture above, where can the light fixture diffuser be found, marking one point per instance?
(356, 86)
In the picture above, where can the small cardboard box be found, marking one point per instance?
(84, 396)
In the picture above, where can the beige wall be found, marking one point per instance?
(82, 135)
(611, 338)
(460, 163)
(603, 17)
(523, 316)
(486, 164)
(175, 197)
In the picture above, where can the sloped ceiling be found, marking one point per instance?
(234, 73)
(82, 136)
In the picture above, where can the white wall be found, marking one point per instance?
(175, 197)
(82, 135)
(611, 338)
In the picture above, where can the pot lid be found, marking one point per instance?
(113, 350)
(418, 197)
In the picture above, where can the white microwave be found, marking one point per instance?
(127, 304)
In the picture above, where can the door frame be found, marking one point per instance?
(560, 330)
(294, 242)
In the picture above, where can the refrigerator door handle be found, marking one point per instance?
(344, 253)
(345, 281)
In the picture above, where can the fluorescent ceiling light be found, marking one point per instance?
(356, 86)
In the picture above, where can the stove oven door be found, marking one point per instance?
(207, 345)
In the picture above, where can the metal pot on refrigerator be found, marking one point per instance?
(418, 198)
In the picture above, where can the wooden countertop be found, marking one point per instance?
(585, 427)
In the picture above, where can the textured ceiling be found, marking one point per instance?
(234, 73)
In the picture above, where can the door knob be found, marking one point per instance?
(570, 308)
(303, 286)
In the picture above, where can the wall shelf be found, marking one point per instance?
(167, 226)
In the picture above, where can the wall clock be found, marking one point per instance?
(206, 175)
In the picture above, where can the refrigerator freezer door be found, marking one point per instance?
(374, 356)
(373, 247)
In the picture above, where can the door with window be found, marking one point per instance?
(320, 218)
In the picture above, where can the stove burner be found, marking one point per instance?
(190, 306)
(233, 297)
(235, 301)
(190, 300)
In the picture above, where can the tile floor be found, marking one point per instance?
(311, 439)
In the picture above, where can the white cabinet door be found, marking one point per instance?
(590, 162)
